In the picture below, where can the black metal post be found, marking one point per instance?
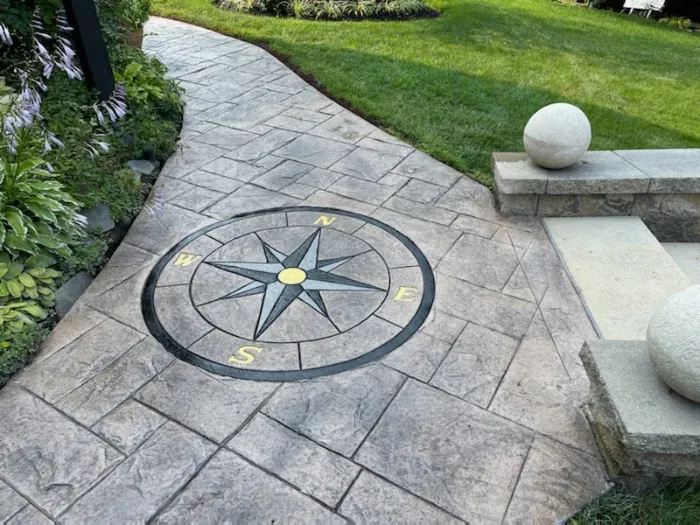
(90, 45)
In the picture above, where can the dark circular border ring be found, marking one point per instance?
(182, 353)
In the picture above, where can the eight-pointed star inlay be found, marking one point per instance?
(285, 278)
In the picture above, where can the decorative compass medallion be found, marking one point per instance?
(287, 294)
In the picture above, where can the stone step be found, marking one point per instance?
(644, 430)
(620, 269)
(687, 257)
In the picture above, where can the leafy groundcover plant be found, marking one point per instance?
(333, 9)
(62, 151)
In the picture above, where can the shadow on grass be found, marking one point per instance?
(460, 119)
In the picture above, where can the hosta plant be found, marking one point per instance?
(31, 279)
(37, 216)
(145, 84)
(18, 314)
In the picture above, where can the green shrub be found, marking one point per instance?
(17, 347)
(149, 130)
(142, 85)
(118, 17)
(31, 279)
(401, 8)
(362, 8)
(329, 9)
(144, 80)
(677, 21)
(92, 178)
(37, 215)
(155, 106)
(134, 14)
(332, 9)
(16, 315)
(17, 14)
(89, 256)
(244, 6)
(299, 8)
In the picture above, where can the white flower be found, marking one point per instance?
(80, 220)
(5, 36)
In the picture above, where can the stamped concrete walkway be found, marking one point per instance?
(475, 419)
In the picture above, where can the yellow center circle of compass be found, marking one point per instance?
(291, 276)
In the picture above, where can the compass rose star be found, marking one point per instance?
(285, 278)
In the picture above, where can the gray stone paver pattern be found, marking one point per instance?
(477, 418)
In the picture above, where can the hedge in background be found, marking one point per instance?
(333, 9)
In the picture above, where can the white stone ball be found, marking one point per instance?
(557, 136)
(673, 338)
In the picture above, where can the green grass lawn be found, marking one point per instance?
(464, 84)
(674, 503)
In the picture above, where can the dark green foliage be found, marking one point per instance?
(154, 106)
(149, 131)
(17, 14)
(683, 8)
(118, 17)
(17, 348)
(95, 180)
(87, 257)
(109, 11)
(135, 13)
(608, 4)
(676, 502)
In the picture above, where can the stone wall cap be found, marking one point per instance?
(670, 170)
(516, 173)
(666, 171)
(599, 172)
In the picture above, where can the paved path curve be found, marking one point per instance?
(475, 418)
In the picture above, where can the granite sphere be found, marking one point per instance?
(557, 136)
(673, 339)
